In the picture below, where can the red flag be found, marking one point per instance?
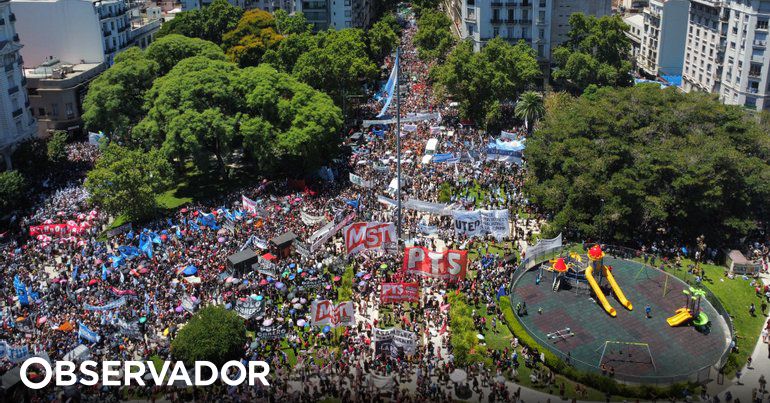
(443, 329)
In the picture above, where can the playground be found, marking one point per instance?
(592, 313)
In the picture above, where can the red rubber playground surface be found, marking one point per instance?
(677, 352)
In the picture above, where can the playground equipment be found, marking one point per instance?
(626, 352)
(560, 335)
(595, 262)
(691, 311)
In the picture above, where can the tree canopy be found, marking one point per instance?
(212, 334)
(205, 108)
(295, 23)
(434, 38)
(114, 100)
(481, 81)
(169, 50)
(13, 188)
(383, 37)
(209, 23)
(641, 163)
(597, 52)
(254, 34)
(125, 181)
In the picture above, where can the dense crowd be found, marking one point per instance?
(137, 300)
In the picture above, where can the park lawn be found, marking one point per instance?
(196, 185)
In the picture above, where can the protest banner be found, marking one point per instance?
(87, 334)
(359, 181)
(272, 332)
(495, 222)
(369, 235)
(308, 219)
(110, 305)
(325, 237)
(249, 308)
(467, 223)
(543, 245)
(325, 312)
(248, 204)
(450, 265)
(400, 292)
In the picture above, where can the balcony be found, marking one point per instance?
(2, 22)
(15, 37)
(123, 28)
(106, 33)
(497, 4)
(8, 68)
(511, 3)
(525, 21)
(109, 50)
(17, 112)
(540, 21)
(12, 17)
(496, 20)
(13, 90)
(526, 4)
(759, 44)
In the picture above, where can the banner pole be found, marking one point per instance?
(398, 139)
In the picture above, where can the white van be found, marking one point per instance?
(430, 149)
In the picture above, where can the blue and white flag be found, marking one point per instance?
(21, 291)
(17, 354)
(208, 220)
(145, 244)
(87, 334)
(389, 86)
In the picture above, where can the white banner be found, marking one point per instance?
(369, 235)
(543, 245)
(427, 207)
(311, 219)
(321, 232)
(467, 223)
(345, 221)
(325, 312)
(248, 204)
(495, 222)
(359, 181)
(387, 201)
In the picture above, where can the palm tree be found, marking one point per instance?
(530, 108)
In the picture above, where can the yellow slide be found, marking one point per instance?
(682, 315)
(598, 291)
(616, 289)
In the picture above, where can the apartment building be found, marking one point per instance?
(336, 14)
(16, 121)
(663, 37)
(726, 51)
(543, 24)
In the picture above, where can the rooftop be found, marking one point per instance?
(56, 70)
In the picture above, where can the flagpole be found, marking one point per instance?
(398, 137)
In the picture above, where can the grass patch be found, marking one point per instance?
(196, 185)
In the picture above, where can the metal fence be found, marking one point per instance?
(699, 375)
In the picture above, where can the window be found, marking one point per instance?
(41, 111)
(68, 110)
(347, 13)
(495, 32)
(55, 109)
(762, 24)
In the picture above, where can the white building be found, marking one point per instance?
(80, 31)
(336, 14)
(663, 38)
(544, 24)
(16, 121)
(635, 33)
(726, 51)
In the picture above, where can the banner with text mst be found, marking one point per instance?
(369, 235)
(325, 312)
(450, 265)
(400, 292)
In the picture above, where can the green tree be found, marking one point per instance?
(339, 64)
(169, 50)
(254, 34)
(482, 81)
(288, 51)
(209, 23)
(434, 38)
(212, 334)
(383, 39)
(13, 189)
(597, 52)
(421, 7)
(57, 146)
(289, 24)
(530, 108)
(623, 163)
(126, 181)
(114, 100)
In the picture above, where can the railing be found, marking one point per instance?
(13, 90)
(698, 375)
(17, 112)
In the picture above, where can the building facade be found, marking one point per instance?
(92, 32)
(663, 37)
(56, 93)
(543, 24)
(726, 51)
(16, 121)
(336, 14)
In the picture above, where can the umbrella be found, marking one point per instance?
(221, 239)
(326, 329)
(267, 322)
(458, 376)
(360, 274)
(302, 301)
(143, 270)
(93, 281)
(301, 322)
(263, 282)
(297, 306)
(259, 297)
(383, 266)
(179, 309)
(183, 210)
(230, 279)
(42, 320)
(279, 285)
(367, 276)
(480, 336)
(294, 300)
(361, 283)
(292, 265)
(222, 232)
(337, 278)
(190, 270)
